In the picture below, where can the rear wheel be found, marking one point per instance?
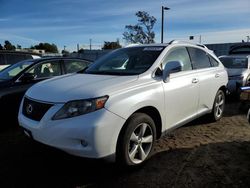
(136, 140)
(218, 107)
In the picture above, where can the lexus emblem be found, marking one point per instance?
(29, 109)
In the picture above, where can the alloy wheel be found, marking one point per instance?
(219, 105)
(140, 143)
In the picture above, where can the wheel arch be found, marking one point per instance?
(148, 110)
(153, 113)
(224, 89)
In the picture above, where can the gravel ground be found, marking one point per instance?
(200, 154)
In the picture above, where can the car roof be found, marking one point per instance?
(58, 58)
(170, 43)
(18, 52)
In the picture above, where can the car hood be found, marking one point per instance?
(77, 86)
(236, 72)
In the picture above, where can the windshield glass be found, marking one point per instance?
(11, 71)
(235, 62)
(126, 61)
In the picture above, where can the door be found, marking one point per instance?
(208, 75)
(181, 91)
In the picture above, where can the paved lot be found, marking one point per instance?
(200, 154)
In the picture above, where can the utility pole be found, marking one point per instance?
(200, 39)
(248, 39)
(162, 20)
(77, 47)
(90, 44)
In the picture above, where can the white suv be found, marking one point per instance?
(124, 101)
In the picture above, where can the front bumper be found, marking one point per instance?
(92, 135)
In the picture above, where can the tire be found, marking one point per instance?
(136, 140)
(218, 106)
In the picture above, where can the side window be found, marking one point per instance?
(179, 54)
(72, 66)
(213, 62)
(46, 69)
(199, 58)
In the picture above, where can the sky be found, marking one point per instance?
(71, 22)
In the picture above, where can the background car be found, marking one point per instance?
(238, 69)
(11, 57)
(17, 78)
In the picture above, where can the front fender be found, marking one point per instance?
(124, 104)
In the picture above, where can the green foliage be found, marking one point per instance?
(111, 45)
(8, 45)
(141, 32)
(65, 52)
(52, 48)
(18, 46)
(81, 51)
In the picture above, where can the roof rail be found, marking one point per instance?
(133, 44)
(178, 41)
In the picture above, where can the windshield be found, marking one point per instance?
(11, 71)
(235, 62)
(126, 61)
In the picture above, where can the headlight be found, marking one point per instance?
(80, 107)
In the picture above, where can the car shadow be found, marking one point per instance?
(25, 163)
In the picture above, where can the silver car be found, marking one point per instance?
(238, 69)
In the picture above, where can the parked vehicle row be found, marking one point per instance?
(237, 64)
(238, 68)
(124, 101)
(17, 78)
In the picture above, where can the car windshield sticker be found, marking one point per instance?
(153, 49)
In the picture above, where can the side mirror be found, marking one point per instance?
(27, 77)
(171, 67)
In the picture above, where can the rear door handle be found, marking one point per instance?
(217, 75)
(195, 80)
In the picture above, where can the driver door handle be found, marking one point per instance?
(195, 80)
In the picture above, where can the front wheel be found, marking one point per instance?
(218, 107)
(136, 140)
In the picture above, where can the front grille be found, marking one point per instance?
(35, 110)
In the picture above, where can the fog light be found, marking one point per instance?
(84, 143)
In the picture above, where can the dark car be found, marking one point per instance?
(243, 48)
(17, 78)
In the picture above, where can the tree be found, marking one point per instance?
(143, 31)
(8, 45)
(1, 47)
(52, 48)
(81, 51)
(18, 46)
(111, 45)
(65, 53)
